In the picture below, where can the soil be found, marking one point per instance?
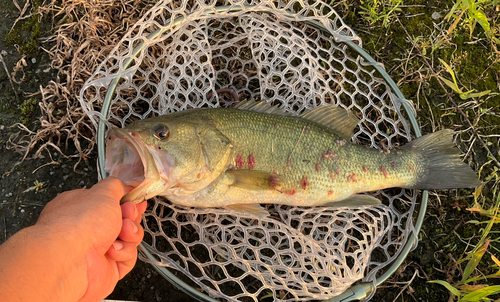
(28, 185)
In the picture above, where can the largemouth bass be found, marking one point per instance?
(255, 153)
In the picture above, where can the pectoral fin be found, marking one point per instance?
(354, 201)
(253, 208)
(253, 179)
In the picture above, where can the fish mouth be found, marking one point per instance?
(131, 160)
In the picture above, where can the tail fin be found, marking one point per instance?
(443, 168)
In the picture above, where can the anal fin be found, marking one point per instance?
(357, 200)
(249, 208)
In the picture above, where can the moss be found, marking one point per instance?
(28, 108)
(27, 33)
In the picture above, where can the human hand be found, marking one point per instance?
(90, 221)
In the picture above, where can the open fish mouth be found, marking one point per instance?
(125, 158)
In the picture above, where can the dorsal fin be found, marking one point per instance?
(336, 118)
(261, 107)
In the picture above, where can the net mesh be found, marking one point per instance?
(196, 53)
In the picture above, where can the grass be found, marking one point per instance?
(449, 67)
(444, 57)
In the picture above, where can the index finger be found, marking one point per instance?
(112, 187)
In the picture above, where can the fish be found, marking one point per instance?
(255, 153)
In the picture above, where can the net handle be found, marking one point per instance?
(356, 292)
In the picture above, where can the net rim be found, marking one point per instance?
(356, 292)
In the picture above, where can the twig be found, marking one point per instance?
(46, 164)
(8, 75)
(497, 163)
(407, 284)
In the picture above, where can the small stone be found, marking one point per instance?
(2, 127)
(148, 276)
(33, 60)
(65, 177)
(4, 53)
(85, 169)
(51, 173)
(22, 210)
(436, 16)
(81, 183)
(46, 70)
(8, 195)
(60, 186)
(64, 166)
(4, 200)
(152, 287)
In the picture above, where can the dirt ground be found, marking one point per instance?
(28, 185)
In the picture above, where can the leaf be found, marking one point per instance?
(474, 261)
(483, 21)
(471, 288)
(450, 84)
(497, 262)
(450, 71)
(478, 94)
(481, 294)
(448, 286)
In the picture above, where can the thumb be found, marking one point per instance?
(112, 187)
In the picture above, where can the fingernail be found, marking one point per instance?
(135, 228)
(118, 245)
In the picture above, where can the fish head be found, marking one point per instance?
(162, 156)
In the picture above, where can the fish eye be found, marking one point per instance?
(162, 132)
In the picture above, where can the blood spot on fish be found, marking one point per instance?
(330, 193)
(365, 169)
(318, 167)
(410, 168)
(337, 171)
(384, 171)
(251, 162)
(239, 162)
(304, 183)
(351, 178)
(393, 165)
(273, 180)
(290, 192)
(276, 126)
(332, 176)
(199, 175)
(288, 162)
(328, 154)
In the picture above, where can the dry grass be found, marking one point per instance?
(83, 33)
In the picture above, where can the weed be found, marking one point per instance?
(375, 11)
(454, 85)
(473, 11)
(471, 287)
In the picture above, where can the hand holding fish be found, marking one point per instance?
(72, 253)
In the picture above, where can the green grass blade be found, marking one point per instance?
(474, 261)
(448, 286)
(481, 294)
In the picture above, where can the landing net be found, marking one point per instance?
(298, 55)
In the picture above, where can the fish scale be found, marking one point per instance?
(256, 153)
(273, 139)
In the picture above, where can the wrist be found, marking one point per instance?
(37, 264)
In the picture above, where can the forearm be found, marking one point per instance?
(37, 265)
